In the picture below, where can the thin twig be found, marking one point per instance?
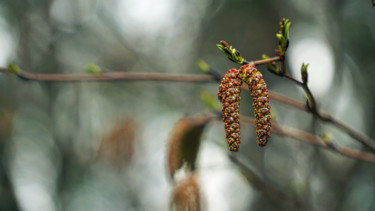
(116, 76)
(312, 108)
(366, 141)
(264, 61)
(290, 77)
(316, 140)
(267, 188)
(325, 117)
(111, 76)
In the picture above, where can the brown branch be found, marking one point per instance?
(268, 189)
(290, 77)
(265, 61)
(325, 117)
(116, 76)
(312, 139)
(111, 76)
(288, 101)
(366, 141)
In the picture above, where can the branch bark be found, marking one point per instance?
(316, 140)
(190, 78)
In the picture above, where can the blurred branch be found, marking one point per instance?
(325, 117)
(265, 61)
(269, 190)
(316, 140)
(213, 77)
(109, 76)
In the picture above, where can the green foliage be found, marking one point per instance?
(283, 36)
(230, 52)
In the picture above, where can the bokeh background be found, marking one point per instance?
(103, 145)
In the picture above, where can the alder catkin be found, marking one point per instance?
(229, 95)
(259, 92)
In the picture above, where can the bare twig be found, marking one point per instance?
(117, 76)
(269, 190)
(365, 140)
(316, 140)
(264, 61)
(312, 108)
(111, 76)
(290, 77)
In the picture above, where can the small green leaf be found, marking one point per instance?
(283, 36)
(203, 66)
(92, 68)
(230, 52)
(13, 68)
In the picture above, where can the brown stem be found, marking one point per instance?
(312, 139)
(366, 141)
(112, 76)
(325, 117)
(288, 101)
(290, 77)
(270, 191)
(265, 61)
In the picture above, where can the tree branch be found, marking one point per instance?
(110, 76)
(264, 61)
(316, 140)
(117, 76)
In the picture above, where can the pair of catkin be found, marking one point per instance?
(229, 95)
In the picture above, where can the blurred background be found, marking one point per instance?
(103, 145)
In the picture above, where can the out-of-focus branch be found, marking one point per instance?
(110, 76)
(325, 117)
(269, 190)
(117, 76)
(265, 61)
(316, 140)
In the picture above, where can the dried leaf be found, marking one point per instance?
(117, 146)
(186, 195)
(184, 143)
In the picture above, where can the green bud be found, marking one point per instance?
(13, 68)
(283, 36)
(203, 66)
(92, 68)
(327, 137)
(304, 73)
